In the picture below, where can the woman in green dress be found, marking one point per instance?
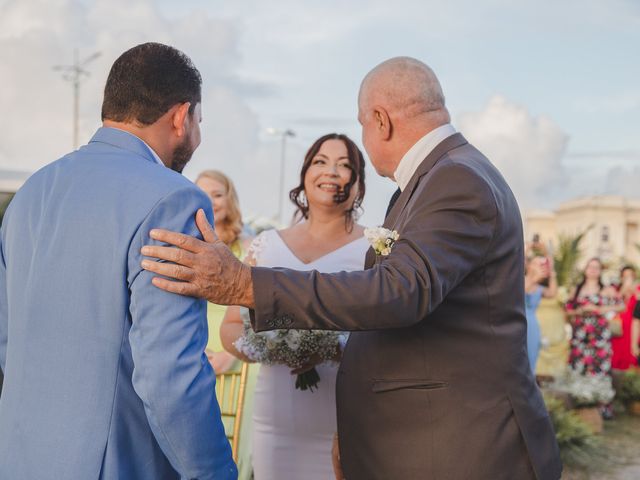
(228, 225)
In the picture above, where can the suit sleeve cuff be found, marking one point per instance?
(264, 298)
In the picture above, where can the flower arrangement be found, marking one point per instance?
(381, 239)
(586, 390)
(629, 386)
(294, 348)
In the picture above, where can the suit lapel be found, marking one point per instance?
(370, 258)
(449, 143)
(454, 141)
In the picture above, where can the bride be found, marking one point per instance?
(293, 429)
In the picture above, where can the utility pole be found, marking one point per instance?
(74, 74)
(284, 134)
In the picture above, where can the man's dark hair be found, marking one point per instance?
(146, 81)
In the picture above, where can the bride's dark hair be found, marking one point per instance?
(356, 162)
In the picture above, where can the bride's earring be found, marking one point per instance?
(302, 198)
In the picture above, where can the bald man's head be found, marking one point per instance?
(400, 101)
(405, 87)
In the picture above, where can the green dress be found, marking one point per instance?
(215, 314)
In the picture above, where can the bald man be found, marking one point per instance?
(434, 382)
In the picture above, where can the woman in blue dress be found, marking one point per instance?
(539, 281)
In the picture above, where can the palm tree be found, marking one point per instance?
(567, 257)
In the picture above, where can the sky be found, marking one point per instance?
(548, 90)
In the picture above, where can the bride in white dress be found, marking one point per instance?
(293, 429)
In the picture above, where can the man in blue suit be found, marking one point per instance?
(105, 375)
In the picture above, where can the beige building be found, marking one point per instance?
(613, 224)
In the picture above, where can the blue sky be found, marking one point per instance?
(548, 89)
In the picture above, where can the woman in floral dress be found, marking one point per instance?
(591, 308)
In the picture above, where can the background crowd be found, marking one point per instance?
(602, 317)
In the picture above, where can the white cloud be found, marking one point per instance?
(298, 65)
(531, 153)
(37, 102)
(38, 34)
(528, 150)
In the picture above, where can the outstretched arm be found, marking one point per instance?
(449, 232)
(171, 373)
(446, 236)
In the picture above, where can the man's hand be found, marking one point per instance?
(335, 458)
(206, 269)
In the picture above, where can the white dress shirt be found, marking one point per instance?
(155, 155)
(416, 154)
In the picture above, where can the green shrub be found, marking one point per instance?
(578, 445)
(629, 386)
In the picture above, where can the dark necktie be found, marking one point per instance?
(392, 202)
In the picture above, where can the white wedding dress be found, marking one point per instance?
(293, 429)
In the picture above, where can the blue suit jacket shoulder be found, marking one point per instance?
(105, 375)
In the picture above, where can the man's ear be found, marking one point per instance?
(179, 118)
(382, 123)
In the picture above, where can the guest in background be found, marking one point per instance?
(635, 329)
(628, 282)
(228, 225)
(591, 307)
(625, 346)
(539, 281)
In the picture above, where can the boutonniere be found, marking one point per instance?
(381, 239)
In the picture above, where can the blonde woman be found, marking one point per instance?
(228, 225)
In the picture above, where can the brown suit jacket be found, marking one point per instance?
(434, 382)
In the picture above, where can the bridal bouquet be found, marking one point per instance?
(293, 348)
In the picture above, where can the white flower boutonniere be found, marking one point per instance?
(381, 239)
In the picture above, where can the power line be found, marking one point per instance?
(75, 74)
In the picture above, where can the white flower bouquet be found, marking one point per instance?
(587, 390)
(294, 348)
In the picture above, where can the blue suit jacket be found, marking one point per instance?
(105, 376)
